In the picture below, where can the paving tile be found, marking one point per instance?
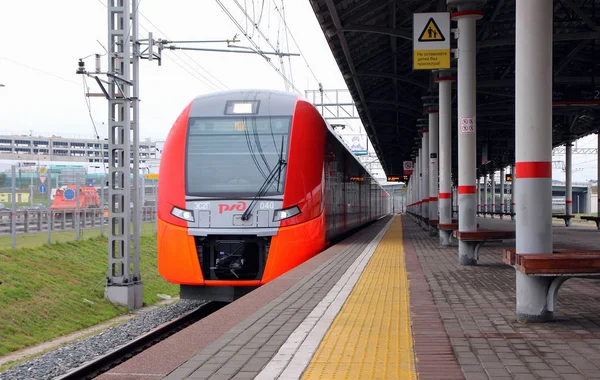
(477, 304)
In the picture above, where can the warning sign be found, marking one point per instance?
(408, 167)
(467, 125)
(431, 32)
(431, 41)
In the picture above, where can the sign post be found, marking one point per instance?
(431, 41)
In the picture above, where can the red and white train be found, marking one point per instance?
(252, 184)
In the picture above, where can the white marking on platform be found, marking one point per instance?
(294, 356)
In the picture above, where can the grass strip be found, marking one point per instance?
(52, 290)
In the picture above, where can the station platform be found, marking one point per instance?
(389, 303)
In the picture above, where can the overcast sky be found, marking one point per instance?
(43, 41)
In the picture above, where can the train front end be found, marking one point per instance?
(224, 217)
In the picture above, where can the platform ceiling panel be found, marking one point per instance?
(371, 41)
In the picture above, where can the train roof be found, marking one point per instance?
(265, 103)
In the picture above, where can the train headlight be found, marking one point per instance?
(286, 213)
(182, 214)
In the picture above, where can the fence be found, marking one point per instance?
(69, 200)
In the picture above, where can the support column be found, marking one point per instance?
(569, 180)
(478, 194)
(485, 194)
(445, 149)
(454, 200)
(598, 175)
(502, 183)
(533, 135)
(512, 189)
(420, 186)
(467, 116)
(493, 194)
(425, 170)
(433, 172)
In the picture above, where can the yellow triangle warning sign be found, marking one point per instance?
(431, 32)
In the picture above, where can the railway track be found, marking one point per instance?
(122, 353)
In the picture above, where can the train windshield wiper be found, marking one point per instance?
(275, 173)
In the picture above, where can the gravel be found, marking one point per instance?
(63, 359)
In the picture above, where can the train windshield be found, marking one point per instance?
(234, 156)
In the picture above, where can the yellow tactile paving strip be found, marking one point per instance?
(371, 336)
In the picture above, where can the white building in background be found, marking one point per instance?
(91, 153)
(57, 148)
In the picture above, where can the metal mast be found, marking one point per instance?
(124, 283)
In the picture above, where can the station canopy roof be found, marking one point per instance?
(371, 40)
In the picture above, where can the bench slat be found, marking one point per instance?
(484, 235)
(562, 261)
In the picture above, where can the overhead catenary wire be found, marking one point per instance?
(215, 85)
(258, 49)
(218, 83)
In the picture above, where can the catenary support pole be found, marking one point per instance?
(533, 139)
(467, 116)
(569, 180)
(123, 284)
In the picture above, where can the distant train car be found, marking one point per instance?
(252, 184)
(65, 199)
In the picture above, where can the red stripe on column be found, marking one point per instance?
(425, 201)
(442, 79)
(475, 12)
(513, 204)
(535, 169)
(467, 189)
(569, 202)
(433, 199)
(449, 195)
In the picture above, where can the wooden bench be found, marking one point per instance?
(592, 218)
(475, 239)
(558, 267)
(565, 217)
